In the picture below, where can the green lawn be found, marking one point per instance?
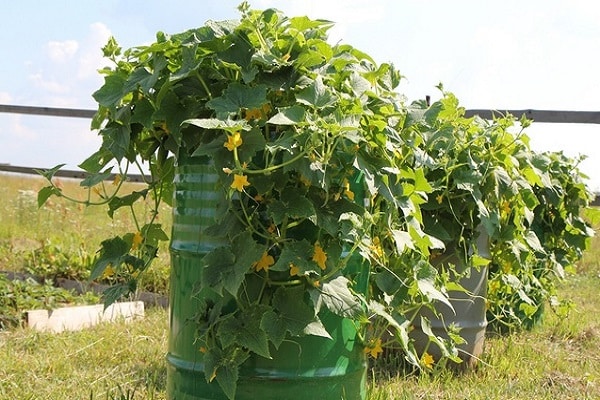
(558, 360)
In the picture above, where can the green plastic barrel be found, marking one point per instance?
(306, 367)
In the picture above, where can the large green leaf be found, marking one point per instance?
(288, 116)
(359, 84)
(111, 93)
(237, 97)
(297, 253)
(425, 277)
(253, 142)
(273, 324)
(153, 233)
(94, 179)
(49, 173)
(174, 111)
(45, 193)
(426, 328)
(212, 147)
(219, 268)
(143, 79)
(246, 250)
(117, 291)
(125, 201)
(316, 95)
(387, 281)
(403, 240)
(143, 113)
(240, 55)
(112, 252)
(399, 325)
(534, 242)
(116, 138)
(244, 329)
(97, 161)
(293, 204)
(223, 365)
(316, 328)
(228, 125)
(226, 267)
(319, 54)
(291, 315)
(337, 298)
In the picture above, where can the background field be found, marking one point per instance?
(560, 359)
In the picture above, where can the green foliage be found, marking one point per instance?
(50, 261)
(16, 297)
(485, 179)
(485, 175)
(299, 133)
(523, 275)
(317, 161)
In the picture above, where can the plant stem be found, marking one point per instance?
(204, 85)
(274, 167)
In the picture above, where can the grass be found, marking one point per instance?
(559, 359)
(62, 232)
(103, 362)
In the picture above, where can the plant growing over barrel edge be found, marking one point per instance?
(485, 177)
(479, 170)
(530, 204)
(314, 174)
(470, 164)
(522, 279)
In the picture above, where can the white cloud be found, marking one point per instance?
(49, 85)
(5, 98)
(67, 74)
(45, 141)
(62, 51)
(91, 58)
(347, 14)
(13, 126)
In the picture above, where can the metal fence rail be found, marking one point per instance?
(62, 173)
(546, 116)
(549, 116)
(48, 111)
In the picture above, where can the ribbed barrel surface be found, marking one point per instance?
(301, 368)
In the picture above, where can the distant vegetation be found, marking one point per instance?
(57, 241)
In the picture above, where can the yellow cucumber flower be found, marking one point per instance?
(264, 263)
(349, 193)
(374, 348)
(117, 180)
(319, 256)
(137, 240)
(239, 182)
(109, 272)
(427, 360)
(255, 113)
(294, 270)
(376, 247)
(233, 141)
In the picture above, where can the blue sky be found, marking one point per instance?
(500, 55)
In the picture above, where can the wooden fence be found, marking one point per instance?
(547, 116)
(566, 117)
